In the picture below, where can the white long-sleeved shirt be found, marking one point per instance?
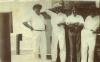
(56, 19)
(74, 19)
(92, 23)
(37, 22)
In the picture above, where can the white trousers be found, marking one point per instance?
(39, 43)
(88, 41)
(58, 37)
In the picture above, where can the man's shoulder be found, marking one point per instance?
(79, 16)
(88, 17)
(97, 16)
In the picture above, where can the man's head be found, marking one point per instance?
(67, 11)
(59, 9)
(37, 8)
(74, 11)
(56, 10)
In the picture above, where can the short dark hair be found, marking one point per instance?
(37, 6)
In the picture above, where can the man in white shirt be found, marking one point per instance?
(37, 25)
(58, 34)
(75, 24)
(88, 37)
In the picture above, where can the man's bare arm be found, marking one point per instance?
(27, 25)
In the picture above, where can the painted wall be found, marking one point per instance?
(21, 11)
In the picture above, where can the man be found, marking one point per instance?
(88, 37)
(67, 13)
(37, 25)
(58, 34)
(75, 24)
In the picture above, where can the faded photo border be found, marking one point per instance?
(15, 9)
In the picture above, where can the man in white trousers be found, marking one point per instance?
(37, 25)
(58, 34)
(88, 37)
(75, 23)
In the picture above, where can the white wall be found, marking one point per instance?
(21, 11)
(5, 7)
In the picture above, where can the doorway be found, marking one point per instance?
(5, 29)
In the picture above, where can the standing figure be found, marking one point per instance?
(58, 34)
(37, 25)
(88, 37)
(75, 24)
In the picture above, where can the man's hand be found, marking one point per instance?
(76, 24)
(59, 24)
(31, 28)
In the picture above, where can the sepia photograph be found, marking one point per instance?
(49, 30)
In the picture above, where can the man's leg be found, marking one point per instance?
(36, 44)
(78, 46)
(62, 46)
(74, 47)
(84, 45)
(72, 42)
(54, 46)
(92, 44)
(43, 46)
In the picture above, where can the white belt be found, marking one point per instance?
(39, 30)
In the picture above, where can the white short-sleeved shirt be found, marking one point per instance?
(92, 23)
(74, 19)
(37, 22)
(57, 19)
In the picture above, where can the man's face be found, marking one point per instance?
(37, 10)
(74, 11)
(57, 10)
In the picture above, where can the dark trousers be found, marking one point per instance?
(74, 44)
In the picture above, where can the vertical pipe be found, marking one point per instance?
(19, 38)
(5, 50)
(17, 45)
